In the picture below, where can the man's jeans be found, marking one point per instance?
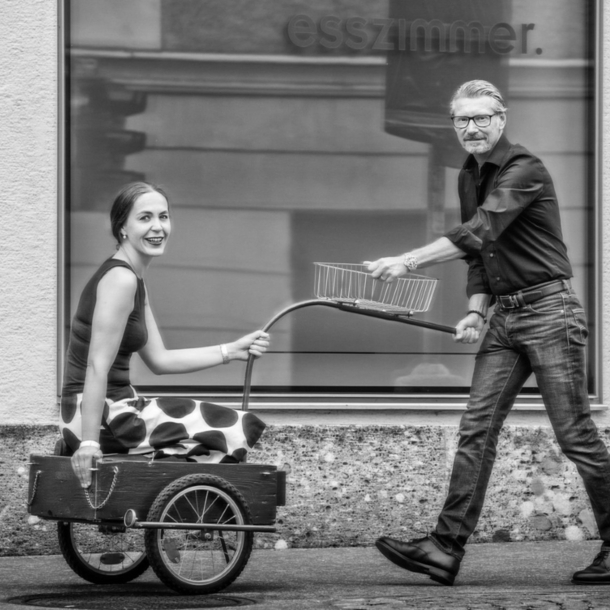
(547, 338)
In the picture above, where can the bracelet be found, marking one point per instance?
(479, 314)
(410, 261)
(225, 354)
(89, 444)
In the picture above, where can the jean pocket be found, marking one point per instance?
(554, 303)
(578, 321)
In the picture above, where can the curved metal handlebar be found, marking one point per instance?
(405, 319)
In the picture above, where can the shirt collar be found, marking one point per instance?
(495, 157)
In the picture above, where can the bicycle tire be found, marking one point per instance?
(102, 554)
(199, 561)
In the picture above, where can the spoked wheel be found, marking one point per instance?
(103, 554)
(199, 561)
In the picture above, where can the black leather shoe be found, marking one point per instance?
(421, 555)
(598, 573)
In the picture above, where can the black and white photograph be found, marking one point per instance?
(305, 304)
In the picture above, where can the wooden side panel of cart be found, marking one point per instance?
(128, 482)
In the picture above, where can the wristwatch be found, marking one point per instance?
(410, 261)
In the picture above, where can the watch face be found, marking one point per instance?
(410, 261)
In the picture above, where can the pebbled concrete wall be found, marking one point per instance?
(347, 485)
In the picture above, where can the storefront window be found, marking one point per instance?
(288, 132)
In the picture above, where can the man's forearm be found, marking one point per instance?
(438, 251)
(479, 302)
(391, 267)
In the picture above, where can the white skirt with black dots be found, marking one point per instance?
(182, 426)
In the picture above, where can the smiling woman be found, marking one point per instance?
(100, 410)
(140, 223)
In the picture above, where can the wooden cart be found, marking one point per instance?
(193, 523)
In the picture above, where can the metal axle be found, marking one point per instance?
(131, 520)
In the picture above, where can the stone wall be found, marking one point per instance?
(349, 484)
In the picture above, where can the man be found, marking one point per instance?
(511, 239)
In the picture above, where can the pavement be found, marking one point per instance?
(495, 576)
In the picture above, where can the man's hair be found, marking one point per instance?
(479, 88)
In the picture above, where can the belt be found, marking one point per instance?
(530, 295)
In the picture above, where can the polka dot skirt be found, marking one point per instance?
(173, 425)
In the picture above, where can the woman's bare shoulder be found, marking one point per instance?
(118, 280)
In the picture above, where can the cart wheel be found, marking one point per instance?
(103, 554)
(199, 561)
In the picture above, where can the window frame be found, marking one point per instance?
(333, 400)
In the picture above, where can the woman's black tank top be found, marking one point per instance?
(134, 338)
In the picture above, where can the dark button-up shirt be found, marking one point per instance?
(511, 231)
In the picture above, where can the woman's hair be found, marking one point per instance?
(124, 201)
(479, 88)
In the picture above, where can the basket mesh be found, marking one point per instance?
(352, 283)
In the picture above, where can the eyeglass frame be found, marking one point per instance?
(473, 118)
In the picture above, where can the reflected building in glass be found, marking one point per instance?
(287, 133)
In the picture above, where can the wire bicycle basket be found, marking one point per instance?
(353, 284)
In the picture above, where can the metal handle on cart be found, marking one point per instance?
(405, 319)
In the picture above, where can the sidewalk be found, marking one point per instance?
(511, 576)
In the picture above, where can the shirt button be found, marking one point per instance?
(498, 279)
(491, 255)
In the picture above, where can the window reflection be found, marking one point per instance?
(288, 133)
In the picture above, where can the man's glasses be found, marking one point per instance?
(481, 120)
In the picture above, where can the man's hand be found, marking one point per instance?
(387, 268)
(468, 330)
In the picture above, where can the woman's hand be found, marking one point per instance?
(255, 343)
(82, 462)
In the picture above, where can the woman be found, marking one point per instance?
(100, 411)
